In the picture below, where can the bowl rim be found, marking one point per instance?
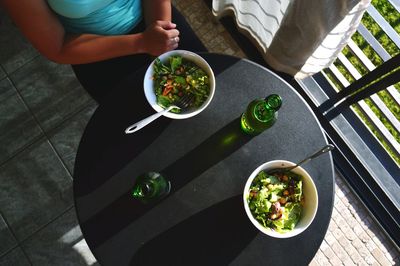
(149, 92)
(267, 231)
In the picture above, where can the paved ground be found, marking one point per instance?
(43, 112)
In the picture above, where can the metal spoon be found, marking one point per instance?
(326, 148)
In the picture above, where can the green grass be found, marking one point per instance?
(393, 17)
(388, 12)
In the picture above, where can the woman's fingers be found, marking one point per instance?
(174, 40)
(166, 25)
(172, 33)
(159, 39)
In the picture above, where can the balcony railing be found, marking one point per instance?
(386, 129)
(358, 102)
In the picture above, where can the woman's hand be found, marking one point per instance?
(160, 37)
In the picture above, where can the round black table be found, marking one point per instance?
(208, 160)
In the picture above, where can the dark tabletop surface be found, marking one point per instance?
(208, 160)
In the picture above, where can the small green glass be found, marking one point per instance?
(260, 114)
(151, 186)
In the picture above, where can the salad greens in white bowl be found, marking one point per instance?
(175, 74)
(280, 205)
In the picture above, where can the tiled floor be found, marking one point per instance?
(43, 112)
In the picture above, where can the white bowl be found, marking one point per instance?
(148, 83)
(310, 204)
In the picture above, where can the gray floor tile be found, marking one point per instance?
(59, 243)
(17, 126)
(14, 258)
(35, 188)
(66, 138)
(7, 239)
(51, 91)
(15, 50)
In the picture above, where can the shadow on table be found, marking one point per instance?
(213, 150)
(214, 236)
(125, 209)
(105, 148)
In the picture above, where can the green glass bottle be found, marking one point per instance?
(151, 186)
(260, 114)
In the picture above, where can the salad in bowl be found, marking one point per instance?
(276, 200)
(174, 75)
(280, 204)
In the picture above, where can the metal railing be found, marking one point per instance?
(380, 129)
(358, 103)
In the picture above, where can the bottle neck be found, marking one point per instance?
(143, 191)
(273, 101)
(263, 111)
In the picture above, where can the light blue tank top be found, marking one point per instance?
(105, 17)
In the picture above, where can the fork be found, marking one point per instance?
(182, 103)
(326, 148)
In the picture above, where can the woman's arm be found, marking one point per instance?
(157, 13)
(156, 10)
(43, 29)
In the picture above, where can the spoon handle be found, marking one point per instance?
(144, 122)
(326, 148)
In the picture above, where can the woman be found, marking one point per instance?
(103, 40)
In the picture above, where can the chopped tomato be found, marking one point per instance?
(167, 90)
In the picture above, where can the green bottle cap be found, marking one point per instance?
(274, 101)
